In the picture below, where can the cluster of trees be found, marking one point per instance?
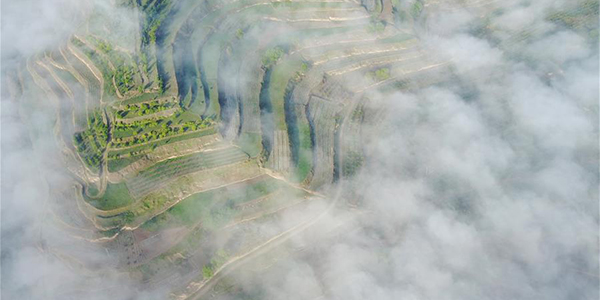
(239, 33)
(155, 13)
(416, 9)
(379, 74)
(272, 56)
(165, 130)
(104, 46)
(152, 31)
(123, 73)
(357, 114)
(119, 156)
(220, 258)
(376, 25)
(92, 142)
(161, 84)
(124, 78)
(144, 62)
(77, 42)
(352, 163)
(99, 62)
(135, 125)
(145, 108)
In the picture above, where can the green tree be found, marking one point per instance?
(207, 272)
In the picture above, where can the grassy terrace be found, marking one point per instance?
(115, 165)
(149, 133)
(152, 40)
(142, 109)
(125, 74)
(138, 99)
(79, 97)
(155, 176)
(298, 131)
(100, 62)
(281, 75)
(94, 89)
(304, 164)
(141, 210)
(135, 150)
(216, 207)
(298, 127)
(115, 196)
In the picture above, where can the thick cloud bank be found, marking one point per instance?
(484, 187)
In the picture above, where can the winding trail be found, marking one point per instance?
(205, 286)
(238, 261)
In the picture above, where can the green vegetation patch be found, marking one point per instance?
(219, 258)
(282, 73)
(380, 74)
(299, 133)
(113, 64)
(250, 143)
(91, 143)
(417, 9)
(166, 129)
(115, 196)
(100, 62)
(141, 98)
(583, 17)
(304, 154)
(216, 207)
(146, 108)
(272, 55)
(115, 165)
(376, 26)
(137, 150)
(352, 163)
(155, 13)
(162, 172)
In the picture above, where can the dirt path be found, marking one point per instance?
(231, 265)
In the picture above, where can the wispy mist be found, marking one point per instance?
(481, 186)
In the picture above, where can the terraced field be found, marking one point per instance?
(278, 101)
(159, 174)
(223, 116)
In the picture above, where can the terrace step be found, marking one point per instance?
(162, 173)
